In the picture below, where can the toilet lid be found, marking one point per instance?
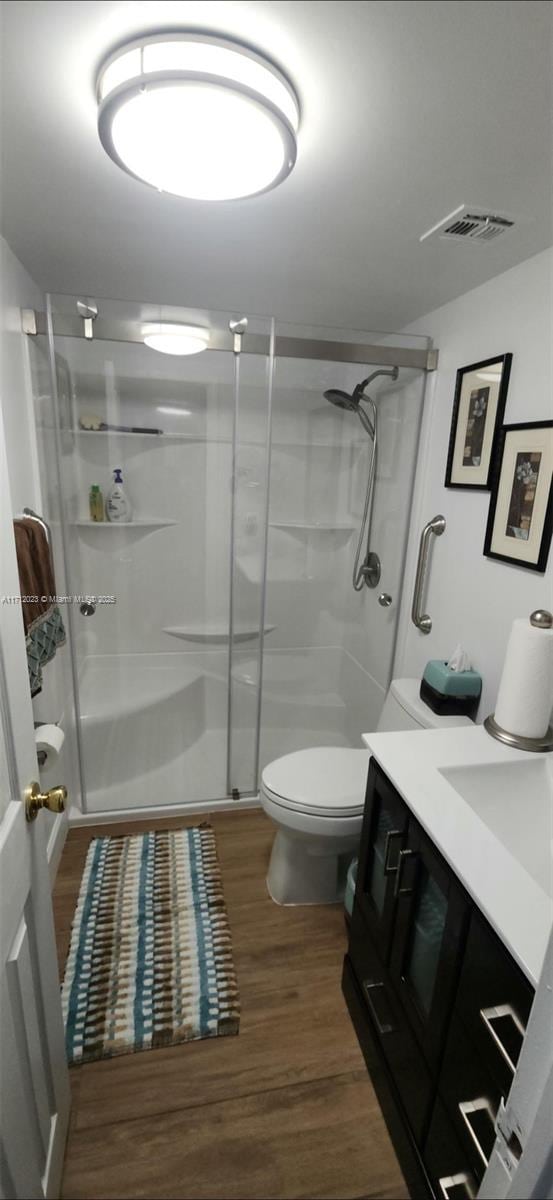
(328, 780)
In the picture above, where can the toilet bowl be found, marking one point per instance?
(316, 799)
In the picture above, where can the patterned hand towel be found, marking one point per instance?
(44, 630)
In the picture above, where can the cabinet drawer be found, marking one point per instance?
(391, 1030)
(471, 1097)
(446, 1161)
(493, 1001)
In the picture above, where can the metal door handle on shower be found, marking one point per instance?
(420, 619)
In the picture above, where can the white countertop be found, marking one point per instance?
(516, 906)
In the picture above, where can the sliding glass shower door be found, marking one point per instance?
(328, 662)
(212, 632)
(165, 607)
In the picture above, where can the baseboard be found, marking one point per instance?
(159, 811)
(56, 842)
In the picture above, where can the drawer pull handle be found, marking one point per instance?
(489, 1015)
(382, 1026)
(399, 890)
(447, 1182)
(390, 838)
(467, 1108)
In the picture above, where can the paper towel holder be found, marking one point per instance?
(541, 619)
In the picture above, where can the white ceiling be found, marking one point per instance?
(409, 109)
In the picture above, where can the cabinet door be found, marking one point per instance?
(384, 833)
(430, 931)
(386, 1025)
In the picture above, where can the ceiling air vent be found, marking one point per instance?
(468, 223)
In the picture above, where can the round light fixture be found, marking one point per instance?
(197, 116)
(175, 339)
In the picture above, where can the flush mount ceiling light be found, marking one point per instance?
(175, 339)
(197, 116)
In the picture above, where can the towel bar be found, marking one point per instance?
(29, 512)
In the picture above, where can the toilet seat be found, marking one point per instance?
(326, 782)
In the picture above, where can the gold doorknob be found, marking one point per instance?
(54, 800)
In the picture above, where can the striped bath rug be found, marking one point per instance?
(150, 961)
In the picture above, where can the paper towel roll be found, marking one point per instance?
(525, 695)
(49, 739)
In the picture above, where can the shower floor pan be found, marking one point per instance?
(154, 726)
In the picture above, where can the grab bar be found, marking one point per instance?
(422, 620)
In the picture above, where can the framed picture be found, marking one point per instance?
(478, 408)
(521, 504)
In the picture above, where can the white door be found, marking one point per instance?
(34, 1080)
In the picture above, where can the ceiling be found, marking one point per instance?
(409, 109)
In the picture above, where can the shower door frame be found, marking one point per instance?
(233, 794)
(273, 347)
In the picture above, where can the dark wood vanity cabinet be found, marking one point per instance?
(438, 1004)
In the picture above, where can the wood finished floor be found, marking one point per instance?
(286, 1109)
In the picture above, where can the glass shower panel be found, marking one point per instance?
(328, 663)
(249, 635)
(57, 701)
(151, 620)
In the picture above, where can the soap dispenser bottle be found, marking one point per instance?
(118, 507)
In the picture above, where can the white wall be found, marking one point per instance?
(18, 291)
(473, 599)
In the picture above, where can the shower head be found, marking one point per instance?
(351, 402)
(342, 399)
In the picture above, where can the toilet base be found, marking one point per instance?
(302, 871)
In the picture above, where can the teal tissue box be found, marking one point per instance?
(451, 693)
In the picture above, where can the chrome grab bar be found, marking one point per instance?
(422, 620)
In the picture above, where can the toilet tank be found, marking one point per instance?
(404, 709)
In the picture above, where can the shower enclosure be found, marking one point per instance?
(218, 628)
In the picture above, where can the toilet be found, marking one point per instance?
(316, 798)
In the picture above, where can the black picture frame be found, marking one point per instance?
(504, 482)
(492, 396)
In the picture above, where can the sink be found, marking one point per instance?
(515, 801)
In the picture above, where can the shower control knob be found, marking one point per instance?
(385, 599)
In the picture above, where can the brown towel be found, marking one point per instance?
(36, 571)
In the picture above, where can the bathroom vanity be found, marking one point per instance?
(447, 937)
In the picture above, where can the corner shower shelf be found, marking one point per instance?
(156, 438)
(317, 526)
(149, 523)
(159, 438)
(217, 632)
